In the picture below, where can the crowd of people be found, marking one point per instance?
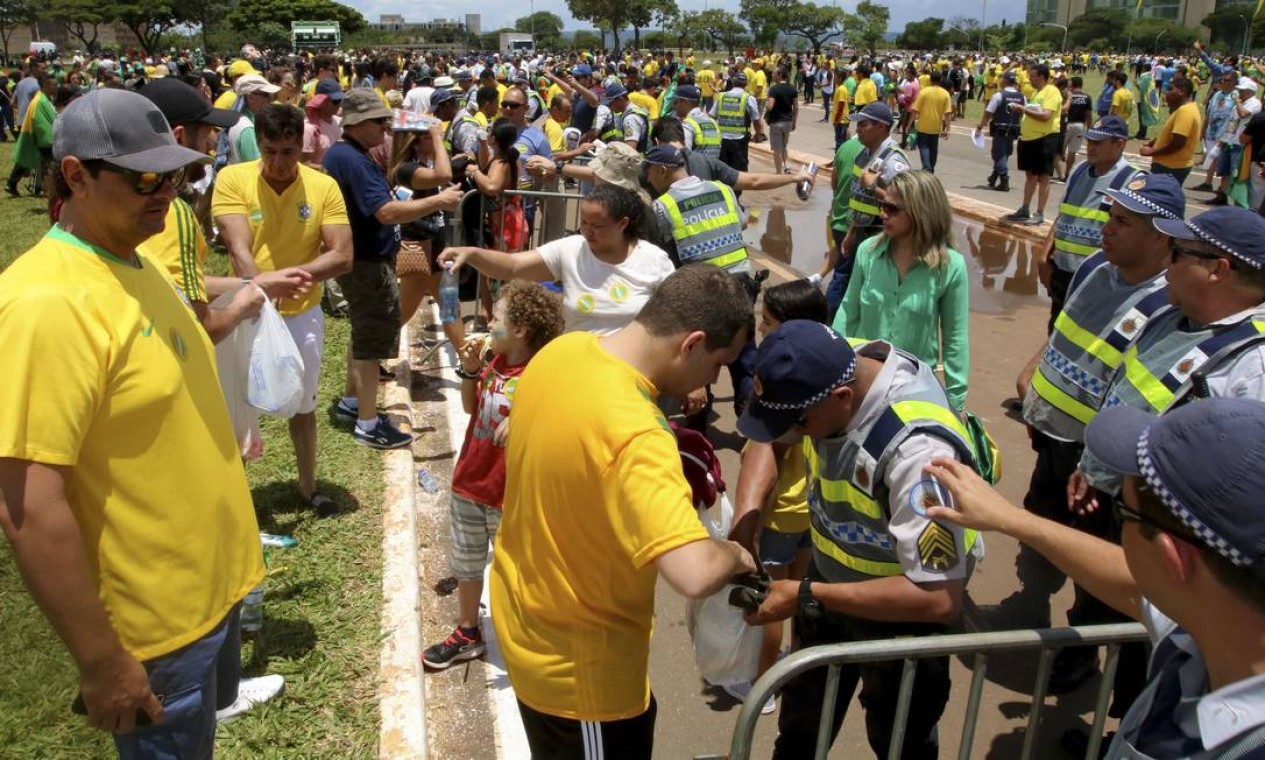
(863, 488)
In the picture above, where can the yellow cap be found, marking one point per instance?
(241, 66)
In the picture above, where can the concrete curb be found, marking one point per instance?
(401, 694)
(980, 211)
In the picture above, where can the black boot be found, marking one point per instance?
(992, 180)
(1003, 183)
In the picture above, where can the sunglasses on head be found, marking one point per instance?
(147, 183)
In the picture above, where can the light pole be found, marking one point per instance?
(983, 11)
(1247, 30)
(1064, 28)
(1157, 41)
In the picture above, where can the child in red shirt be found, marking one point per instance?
(525, 318)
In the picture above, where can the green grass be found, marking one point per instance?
(321, 628)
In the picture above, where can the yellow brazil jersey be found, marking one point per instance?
(226, 99)
(839, 107)
(553, 91)
(924, 81)
(1050, 99)
(760, 84)
(593, 497)
(790, 510)
(750, 72)
(286, 226)
(132, 408)
(689, 60)
(181, 250)
(706, 79)
(651, 105)
(932, 105)
(553, 133)
(867, 92)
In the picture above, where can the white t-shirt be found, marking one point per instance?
(418, 99)
(598, 297)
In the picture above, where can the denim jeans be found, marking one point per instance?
(928, 150)
(841, 134)
(191, 683)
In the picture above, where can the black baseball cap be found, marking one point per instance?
(181, 104)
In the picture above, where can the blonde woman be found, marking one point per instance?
(909, 285)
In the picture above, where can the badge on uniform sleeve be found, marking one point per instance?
(937, 551)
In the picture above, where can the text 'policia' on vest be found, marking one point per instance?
(707, 226)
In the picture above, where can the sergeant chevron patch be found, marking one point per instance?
(937, 551)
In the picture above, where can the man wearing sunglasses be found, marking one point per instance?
(1210, 341)
(1191, 567)
(874, 416)
(122, 490)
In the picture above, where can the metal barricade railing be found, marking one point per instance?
(910, 650)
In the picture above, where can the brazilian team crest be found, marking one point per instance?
(305, 211)
(585, 304)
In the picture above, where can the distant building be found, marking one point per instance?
(474, 23)
(394, 22)
(109, 37)
(1184, 12)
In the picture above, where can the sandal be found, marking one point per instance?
(323, 505)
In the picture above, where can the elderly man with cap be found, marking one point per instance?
(736, 112)
(370, 287)
(873, 418)
(255, 93)
(1209, 341)
(321, 125)
(702, 134)
(1246, 105)
(879, 160)
(1002, 121)
(462, 134)
(144, 589)
(1110, 300)
(1191, 567)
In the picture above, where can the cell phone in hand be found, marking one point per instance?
(79, 707)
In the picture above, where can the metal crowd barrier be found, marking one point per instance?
(910, 650)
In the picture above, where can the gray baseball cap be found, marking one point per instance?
(121, 127)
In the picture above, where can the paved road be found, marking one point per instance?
(470, 709)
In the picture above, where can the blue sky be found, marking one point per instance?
(903, 11)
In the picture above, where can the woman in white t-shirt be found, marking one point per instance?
(607, 271)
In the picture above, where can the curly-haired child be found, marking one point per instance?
(525, 318)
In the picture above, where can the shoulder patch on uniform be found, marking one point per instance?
(937, 550)
(1137, 184)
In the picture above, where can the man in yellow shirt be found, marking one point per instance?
(932, 112)
(1173, 151)
(759, 84)
(706, 81)
(647, 97)
(122, 491)
(1038, 143)
(276, 213)
(577, 556)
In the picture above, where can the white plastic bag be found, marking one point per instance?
(275, 378)
(726, 649)
(232, 357)
(1211, 157)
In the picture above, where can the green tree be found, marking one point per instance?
(586, 39)
(963, 32)
(1227, 25)
(1111, 23)
(271, 35)
(867, 27)
(813, 23)
(545, 25)
(207, 16)
(922, 35)
(765, 17)
(149, 20)
(14, 14)
(82, 19)
(247, 16)
(1157, 35)
(643, 13)
(722, 27)
(607, 15)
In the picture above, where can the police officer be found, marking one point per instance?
(880, 159)
(1002, 122)
(1113, 295)
(462, 135)
(702, 134)
(873, 417)
(535, 104)
(609, 122)
(1211, 339)
(737, 113)
(700, 222)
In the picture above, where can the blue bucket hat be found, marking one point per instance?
(1206, 463)
(1152, 194)
(1237, 232)
(796, 367)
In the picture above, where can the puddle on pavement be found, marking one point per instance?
(1002, 266)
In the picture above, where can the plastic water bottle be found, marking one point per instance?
(253, 610)
(804, 188)
(426, 481)
(449, 303)
(274, 541)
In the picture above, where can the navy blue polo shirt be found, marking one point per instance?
(365, 190)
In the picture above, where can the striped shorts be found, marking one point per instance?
(555, 737)
(472, 529)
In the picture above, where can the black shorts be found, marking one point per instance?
(1036, 157)
(373, 306)
(566, 738)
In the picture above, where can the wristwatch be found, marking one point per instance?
(810, 607)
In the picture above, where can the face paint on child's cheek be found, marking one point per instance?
(499, 331)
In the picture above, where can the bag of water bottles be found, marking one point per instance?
(726, 649)
(275, 376)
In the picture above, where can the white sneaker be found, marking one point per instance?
(251, 692)
(741, 691)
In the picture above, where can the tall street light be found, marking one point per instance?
(1157, 41)
(1064, 28)
(1247, 31)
